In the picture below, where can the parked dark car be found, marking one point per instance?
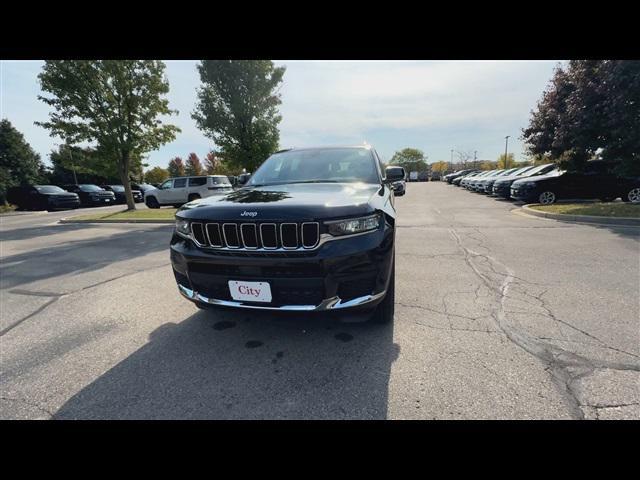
(118, 191)
(460, 173)
(598, 181)
(502, 186)
(42, 197)
(458, 180)
(91, 195)
(485, 185)
(423, 176)
(470, 183)
(399, 188)
(436, 176)
(143, 187)
(312, 230)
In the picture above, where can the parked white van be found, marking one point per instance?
(180, 190)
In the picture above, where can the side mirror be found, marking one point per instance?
(242, 179)
(393, 174)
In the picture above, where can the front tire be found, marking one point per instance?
(384, 311)
(152, 202)
(632, 195)
(547, 198)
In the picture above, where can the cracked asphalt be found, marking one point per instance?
(498, 316)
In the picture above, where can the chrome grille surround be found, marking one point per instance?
(251, 236)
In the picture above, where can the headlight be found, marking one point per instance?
(355, 225)
(183, 227)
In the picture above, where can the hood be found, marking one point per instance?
(60, 195)
(295, 201)
(535, 178)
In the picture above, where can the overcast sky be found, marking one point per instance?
(435, 106)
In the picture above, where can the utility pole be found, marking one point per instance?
(475, 158)
(451, 162)
(73, 168)
(506, 159)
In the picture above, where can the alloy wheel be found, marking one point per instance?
(634, 195)
(547, 198)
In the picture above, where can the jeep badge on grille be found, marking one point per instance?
(248, 214)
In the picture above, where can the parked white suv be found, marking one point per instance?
(180, 190)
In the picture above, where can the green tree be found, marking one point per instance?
(176, 167)
(193, 165)
(510, 163)
(115, 103)
(156, 175)
(19, 164)
(211, 161)
(238, 108)
(590, 109)
(440, 166)
(411, 159)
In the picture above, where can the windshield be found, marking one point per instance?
(49, 189)
(117, 188)
(221, 181)
(90, 188)
(316, 166)
(540, 169)
(521, 171)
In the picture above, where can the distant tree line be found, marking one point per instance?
(118, 107)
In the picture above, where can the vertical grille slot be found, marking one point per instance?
(268, 236)
(230, 232)
(289, 235)
(310, 234)
(214, 235)
(198, 233)
(249, 234)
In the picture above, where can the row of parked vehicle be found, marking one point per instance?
(174, 191)
(546, 184)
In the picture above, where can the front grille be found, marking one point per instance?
(257, 236)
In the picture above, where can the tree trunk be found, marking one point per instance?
(124, 178)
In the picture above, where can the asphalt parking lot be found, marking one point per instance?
(498, 316)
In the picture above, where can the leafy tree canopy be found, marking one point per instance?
(411, 159)
(238, 108)
(156, 175)
(590, 109)
(116, 104)
(193, 165)
(176, 167)
(19, 164)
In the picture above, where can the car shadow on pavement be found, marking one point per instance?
(12, 234)
(80, 256)
(222, 364)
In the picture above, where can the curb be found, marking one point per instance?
(623, 221)
(23, 214)
(71, 220)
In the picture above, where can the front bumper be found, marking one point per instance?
(501, 190)
(334, 303)
(523, 194)
(343, 273)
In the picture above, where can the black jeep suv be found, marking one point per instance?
(313, 229)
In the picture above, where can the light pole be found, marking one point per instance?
(506, 159)
(451, 162)
(475, 158)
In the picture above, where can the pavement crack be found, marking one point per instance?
(557, 359)
(30, 404)
(27, 317)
